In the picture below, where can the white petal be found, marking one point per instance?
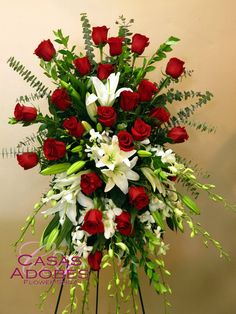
(101, 90)
(90, 98)
(71, 214)
(85, 201)
(132, 175)
(122, 182)
(110, 185)
(117, 94)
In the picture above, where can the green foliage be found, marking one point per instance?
(13, 151)
(27, 75)
(160, 54)
(184, 113)
(124, 28)
(87, 36)
(31, 98)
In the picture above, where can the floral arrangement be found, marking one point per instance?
(107, 143)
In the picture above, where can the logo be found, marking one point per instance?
(35, 266)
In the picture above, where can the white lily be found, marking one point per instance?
(120, 176)
(105, 93)
(67, 197)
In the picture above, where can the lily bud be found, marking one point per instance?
(144, 153)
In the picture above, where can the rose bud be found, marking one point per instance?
(104, 70)
(178, 134)
(54, 149)
(139, 43)
(175, 67)
(45, 50)
(160, 113)
(83, 65)
(140, 130)
(123, 223)
(61, 99)
(90, 182)
(99, 35)
(74, 127)
(93, 222)
(115, 44)
(146, 90)
(25, 113)
(125, 141)
(106, 115)
(129, 100)
(27, 160)
(94, 260)
(138, 197)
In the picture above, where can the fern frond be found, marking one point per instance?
(87, 36)
(186, 112)
(27, 75)
(12, 152)
(31, 98)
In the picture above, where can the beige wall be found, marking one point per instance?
(201, 282)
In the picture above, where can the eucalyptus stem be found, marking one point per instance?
(85, 292)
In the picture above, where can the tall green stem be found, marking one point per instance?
(85, 292)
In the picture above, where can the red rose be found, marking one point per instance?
(104, 70)
(54, 149)
(61, 99)
(178, 134)
(175, 67)
(129, 100)
(99, 35)
(125, 141)
(139, 43)
(27, 160)
(24, 113)
(138, 197)
(90, 182)
(115, 44)
(83, 65)
(45, 50)
(94, 260)
(93, 222)
(106, 115)
(123, 223)
(160, 114)
(140, 130)
(146, 90)
(74, 127)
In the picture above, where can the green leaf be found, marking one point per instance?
(66, 228)
(158, 219)
(53, 223)
(191, 204)
(118, 197)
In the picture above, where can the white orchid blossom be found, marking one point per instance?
(105, 93)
